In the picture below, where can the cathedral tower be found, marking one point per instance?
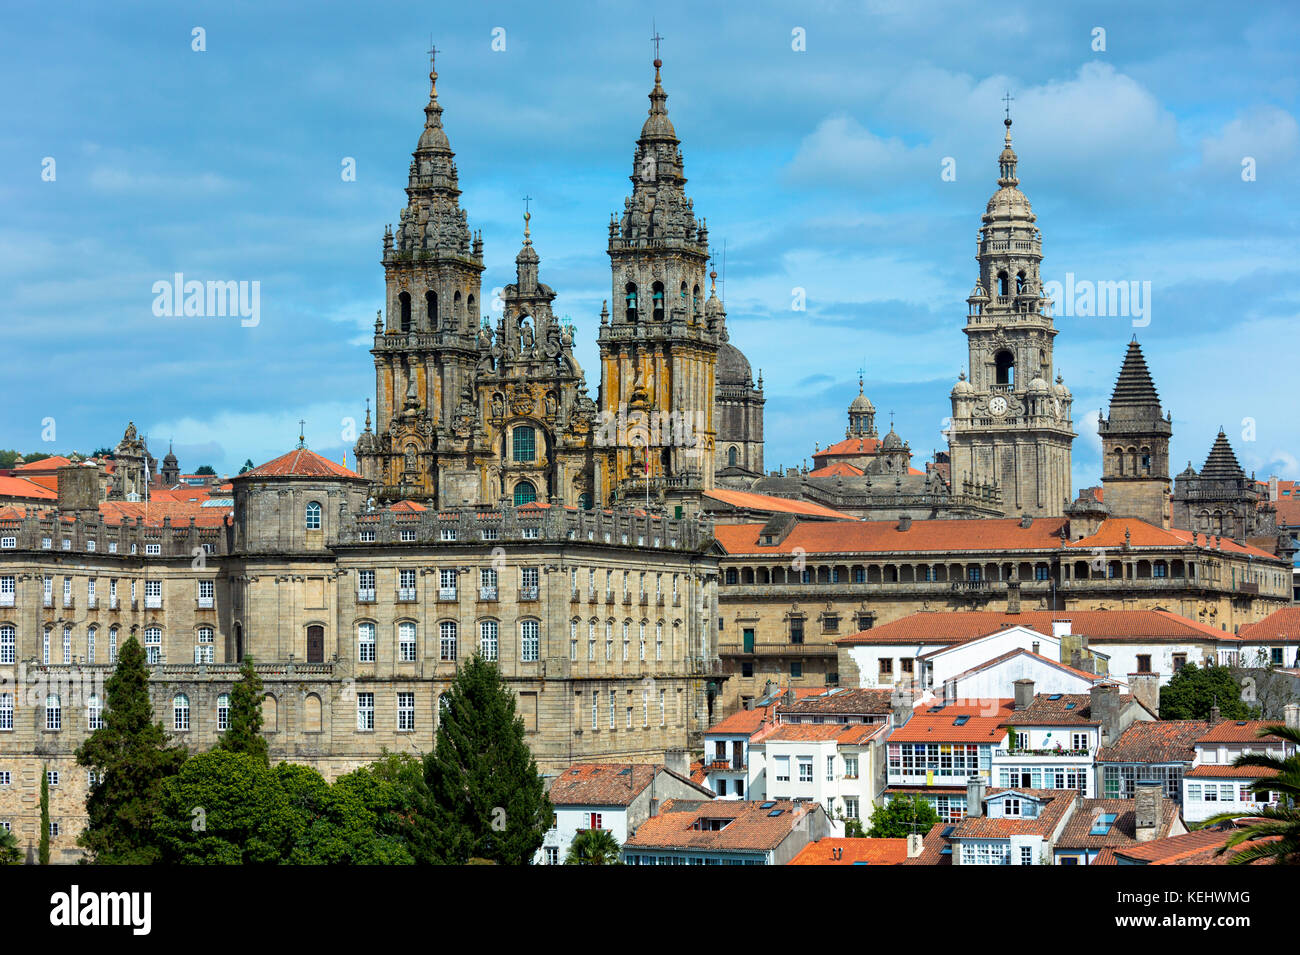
(425, 346)
(1135, 445)
(1011, 426)
(659, 346)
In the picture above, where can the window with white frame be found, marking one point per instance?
(223, 712)
(313, 516)
(830, 769)
(8, 591)
(365, 643)
(67, 645)
(153, 593)
(591, 639)
(6, 778)
(529, 581)
(52, 777)
(365, 585)
(90, 644)
(406, 584)
(573, 640)
(659, 641)
(641, 641)
(180, 712)
(407, 535)
(112, 547)
(595, 708)
(367, 536)
(153, 645)
(851, 807)
(6, 711)
(447, 583)
(850, 767)
(1026, 855)
(530, 640)
(8, 543)
(94, 714)
(45, 646)
(609, 639)
(53, 712)
(489, 634)
(487, 583)
(152, 550)
(8, 644)
(406, 642)
(67, 591)
(613, 705)
(627, 639)
(207, 593)
(112, 644)
(781, 764)
(365, 712)
(447, 641)
(447, 534)
(405, 712)
(805, 769)
(663, 709)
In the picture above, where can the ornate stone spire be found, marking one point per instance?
(1134, 388)
(1221, 464)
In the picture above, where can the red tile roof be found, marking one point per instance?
(844, 734)
(1156, 741)
(607, 784)
(154, 512)
(849, 447)
(861, 537)
(839, 701)
(300, 462)
(932, 846)
(1078, 834)
(1218, 771)
(753, 828)
(984, 723)
(837, 469)
(951, 627)
(1141, 534)
(1190, 848)
(44, 464)
(21, 487)
(1058, 802)
(1072, 709)
(1281, 625)
(749, 721)
(852, 852)
(748, 501)
(1240, 731)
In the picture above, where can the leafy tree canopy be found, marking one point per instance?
(204, 469)
(902, 816)
(244, 733)
(594, 847)
(1193, 690)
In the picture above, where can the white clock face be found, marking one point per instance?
(998, 404)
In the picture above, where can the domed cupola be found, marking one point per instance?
(862, 416)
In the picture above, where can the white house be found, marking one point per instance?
(828, 763)
(1214, 785)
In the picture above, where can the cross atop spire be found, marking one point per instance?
(655, 39)
(302, 433)
(1008, 100)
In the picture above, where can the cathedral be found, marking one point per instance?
(468, 412)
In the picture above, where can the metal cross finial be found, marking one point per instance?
(656, 38)
(1008, 100)
(431, 51)
(527, 199)
(302, 432)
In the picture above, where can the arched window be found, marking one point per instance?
(1003, 284)
(53, 712)
(67, 645)
(732, 456)
(6, 711)
(524, 443)
(584, 502)
(180, 712)
(112, 645)
(525, 493)
(1005, 364)
(657, 300)
(447, 641)
(8, 644)
(489, 638)
(94, 714)
(1020, 283)
(683, 295)
(270, 712)
(311, 714)
(529, 637)
(630, 297)
(431, 309)
(91, 632)
(404, 303)
(456, 313)
(223, 712)
(406, 642)
(153, 645)
(695, 300)
(313, 516)
(365, 643)
(472, 319)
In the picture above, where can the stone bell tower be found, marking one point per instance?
(1011, 425)
(425, 345)
(1135, 445)
(658, 343)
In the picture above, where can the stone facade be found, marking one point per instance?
(1221, 499)
(1010, 426)
(1135, 445)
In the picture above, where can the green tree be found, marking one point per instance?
(248, 466)
(131, 757)
(853, 829)
(43, 851)
(205, 469)
(489, 801)
(1276, 837)
(594, 847)
(244, 734)
(1193, 690)
(10, 853)
(394, 789)
(902, 816)
(224, 808)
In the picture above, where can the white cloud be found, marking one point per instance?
(1267, 134)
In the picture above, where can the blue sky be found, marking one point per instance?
(820, 168)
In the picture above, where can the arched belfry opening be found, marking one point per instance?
(1005, 366)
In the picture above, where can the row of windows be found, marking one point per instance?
(152, 591)
(646, 707)
(431, 310)
(203, 650)
(95, 712)
(489, 643)
(593, 629)
(153, 549)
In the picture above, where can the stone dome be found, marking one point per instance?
(892, 442)
(861, 403)
(1009, 203)
(963, 387)
(1038, 387)
(733, 366)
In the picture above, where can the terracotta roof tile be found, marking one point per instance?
(21, 487)
(837, 469)
(1156, 741)
(752, 828)
(1281, 625)
(932, 846)
(841, 701)
(1240, 731)
(777, 505)
(979, 723)
(1055, 709)
(1190, 848)
(1141, 534)
(300, 462)
(850, 446)
(1220, 771)
(952, 627)
(1058, 803)
(44, 464)
(606, 784)
(856, 537)
(846, 734)
(853, 852)
(1078, 833)
(154, 513)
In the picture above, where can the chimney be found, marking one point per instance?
(901, 702)
(1060, 629)
(1034, 647)
(1024, 693)
(80, 488)
(904, 522)
(1148, 800)
(915, 843)
(1291, 715)
(1104, 704)
(1145, 688)
(975, 788)
(1215, 714)
(1026, 522)
(678, 761)
(1013, 596)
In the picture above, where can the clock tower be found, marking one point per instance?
(1011, 425)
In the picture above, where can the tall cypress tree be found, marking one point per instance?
(132, 757)
(245, 732)
(43, 852)
(488, 800)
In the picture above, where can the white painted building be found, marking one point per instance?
(830, 763)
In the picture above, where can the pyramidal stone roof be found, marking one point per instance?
(1221, 464)
(1134, 387)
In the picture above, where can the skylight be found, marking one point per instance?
(767, 805)
(1055, 696)
(1069, 706)
(947, 831)
(776, 812)
(1102, 824)
(960, 721)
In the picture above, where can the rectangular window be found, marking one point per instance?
(406, 535)
(782, 767)
(830, 769)
(366, 536)
(805, 769)
(406, 642)
(5, 778)
(365, 643)
(595, 820)
(850, 767)
(595, 708)
(447, 534)
(529, 579)
(524, 444)
(1026, 855)
(447, 583)
(1144, 663)
(365, 586)
(487, 583)
(8, 591)
(207, 591)
(406, 584)
(405, 712)
(6, 711)
(796, 630)
(365, 712)
(531, 642)
(796, 670)
(489, 636)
